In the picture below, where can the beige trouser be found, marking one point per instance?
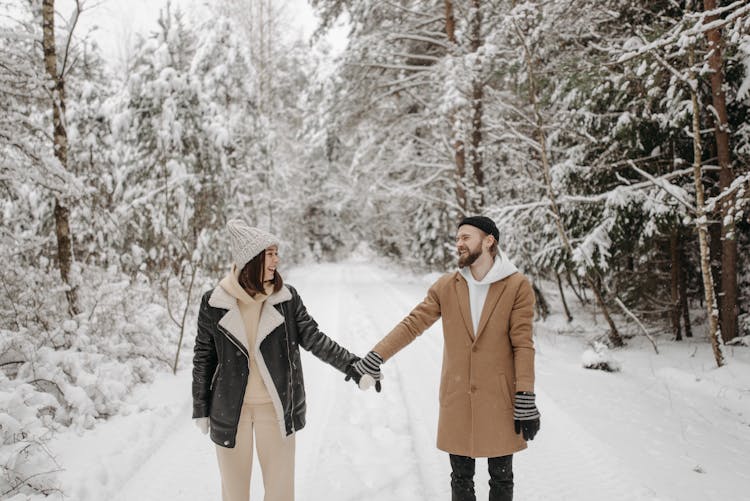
(275, 454)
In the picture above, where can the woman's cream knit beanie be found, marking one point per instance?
(247, 242)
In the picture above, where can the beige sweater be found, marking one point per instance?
(250, 308)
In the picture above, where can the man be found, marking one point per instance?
(487, 406)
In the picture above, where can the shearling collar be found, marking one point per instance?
(222, 299)
(232, 319)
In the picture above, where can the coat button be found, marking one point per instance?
(226, 442)
(474, 348)
(239, 353)
(472, 389)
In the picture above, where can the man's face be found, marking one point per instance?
(468, 244)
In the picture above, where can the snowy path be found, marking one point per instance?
(368, 446)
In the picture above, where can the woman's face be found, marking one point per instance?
(272, 261)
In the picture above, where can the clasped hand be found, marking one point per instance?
(366, 371)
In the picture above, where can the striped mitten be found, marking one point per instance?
(526, 417)
(365, 370)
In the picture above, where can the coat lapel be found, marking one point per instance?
(493, 296)
(232, 319)
(462, 294)
(270, 318)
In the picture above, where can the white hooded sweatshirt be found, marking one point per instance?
(478, 289)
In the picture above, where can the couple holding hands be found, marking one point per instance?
(247, 375)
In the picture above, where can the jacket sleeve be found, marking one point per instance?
(204, 362)
(419, 320)
(314, 341)
(521, 330)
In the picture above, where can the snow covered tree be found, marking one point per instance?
(169, 181)
(728, 303)
(410, 111)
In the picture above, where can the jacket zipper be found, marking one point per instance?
(213, 379)
(242, 395)
(291, 374)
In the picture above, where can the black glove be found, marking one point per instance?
(368, 366)
(526, 418)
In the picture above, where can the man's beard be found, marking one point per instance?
(469, 258)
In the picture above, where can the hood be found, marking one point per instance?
(231, 284)
(502, 268)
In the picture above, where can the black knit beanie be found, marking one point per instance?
(485, 224)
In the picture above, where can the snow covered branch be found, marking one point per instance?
(677, 193)
(738, 9)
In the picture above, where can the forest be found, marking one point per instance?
(608, 139)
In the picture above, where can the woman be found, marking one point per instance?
(247, 375)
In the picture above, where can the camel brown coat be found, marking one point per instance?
(481, 373)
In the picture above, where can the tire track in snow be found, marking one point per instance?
(364, 450)
(319, 283)
(415, 374)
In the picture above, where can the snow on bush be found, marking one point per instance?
(740, 341)
(58, 373)
(599, 357)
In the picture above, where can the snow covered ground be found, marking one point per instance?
(667, 427)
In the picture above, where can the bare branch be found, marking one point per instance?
(402, 8)
(418, 38)
(73, 23)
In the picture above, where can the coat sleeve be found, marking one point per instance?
(314, 341)
(419, 320)
(521, 331)
(204, 362)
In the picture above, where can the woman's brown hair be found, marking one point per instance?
(251, 276)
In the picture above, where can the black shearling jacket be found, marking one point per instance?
(220, 361)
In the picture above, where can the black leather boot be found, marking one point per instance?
(501, 478)
(462, 478)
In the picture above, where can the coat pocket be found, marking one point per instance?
(450, 387)
(502, 383)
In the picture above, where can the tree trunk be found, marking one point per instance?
(568, 316)
(675, 268)
(683, 285)
(714, 252)
(477, 96)
(728, 315)
(582, 296)
(60, 142)
(183, 320)
(458, 144)
(708, 285)
(679, 271)
(542, 306)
